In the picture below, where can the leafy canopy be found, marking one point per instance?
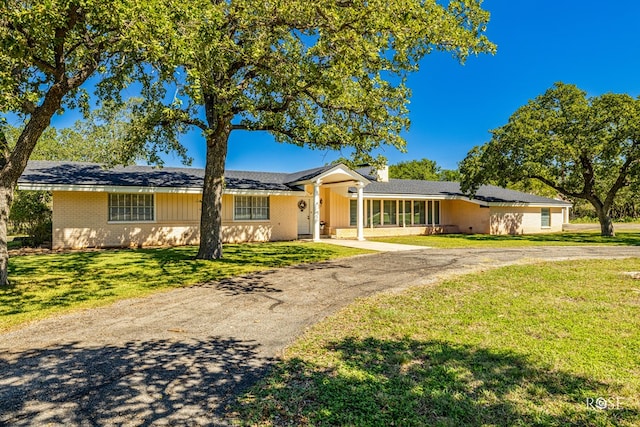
(93, 139)
(48, 50)
(44, 44)
(326, 74)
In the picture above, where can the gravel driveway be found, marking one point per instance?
(179, 357)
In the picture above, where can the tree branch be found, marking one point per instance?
(4, 149)
(60, 37)
(181, 116)
(28, 107)
(620, 181)
(559, 188)
(43, 65)
(588, 175)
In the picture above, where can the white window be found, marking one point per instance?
(131, 207)
(353, 213)
(433, 209)
(389, 208)
(545, 217)
(250, 208)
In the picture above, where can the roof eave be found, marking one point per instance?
(356, 177)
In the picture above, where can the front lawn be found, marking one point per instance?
(42, 285)
(551, 344)
(500, 241)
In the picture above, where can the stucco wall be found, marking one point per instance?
(523, 220)
(469, 217)
(80, 219)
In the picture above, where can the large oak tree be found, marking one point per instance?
(48, 50)
(583, 147)
(327, 74)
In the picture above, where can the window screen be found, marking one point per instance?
(249, 208)
(131, 207)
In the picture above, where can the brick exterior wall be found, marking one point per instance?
(80, 220)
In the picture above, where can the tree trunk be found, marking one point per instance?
(606, 224)
(6, 197)
(14, 162)
(211, 215)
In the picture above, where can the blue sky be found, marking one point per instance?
(593, 44)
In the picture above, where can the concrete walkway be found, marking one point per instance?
(374, 246)
(180, 357)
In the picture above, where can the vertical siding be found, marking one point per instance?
(325, 207)
(178, 207)
(227, 208)
(339, 214)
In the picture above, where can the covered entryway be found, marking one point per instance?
(335, 178)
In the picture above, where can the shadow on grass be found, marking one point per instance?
(152, 382)
(408, 382)
(628, 239)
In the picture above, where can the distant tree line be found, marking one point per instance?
(423, 169)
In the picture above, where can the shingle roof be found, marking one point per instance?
(308, 174)
(447, 189)
(78, 173)
(92, 174)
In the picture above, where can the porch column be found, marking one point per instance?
(316, 210)
(360, 234)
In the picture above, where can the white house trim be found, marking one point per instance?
(316, 210)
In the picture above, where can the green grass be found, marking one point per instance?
(500, 241)
(42, 285)
(521, 345)
(594, 220)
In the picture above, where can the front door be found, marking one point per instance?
(304, 215)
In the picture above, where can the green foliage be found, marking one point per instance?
(51, 48)
(48, 50)
(327, 75)
(43, 285)
(584, 148)
(450, 175)
(424, 169)
(31, 215)
(519, 346)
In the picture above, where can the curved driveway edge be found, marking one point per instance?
(178, 357)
